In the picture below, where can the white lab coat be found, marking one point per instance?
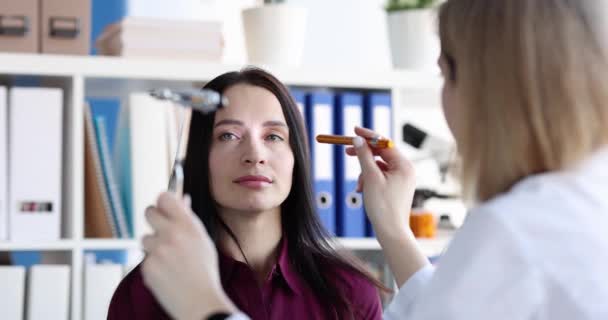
(539, 251)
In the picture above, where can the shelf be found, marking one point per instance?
(68, 245)
(429, 246)
(109, 244)
(193, 70)
(59, 245)
(359, 243)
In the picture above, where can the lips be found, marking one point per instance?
(253, 182)
(253, 179)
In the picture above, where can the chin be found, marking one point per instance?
(252, 205)
(254, 209)
(257, 206)
(250, 201)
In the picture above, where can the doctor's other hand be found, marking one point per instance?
(181, 264)
(388, 185)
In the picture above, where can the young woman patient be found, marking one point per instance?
(247, 172)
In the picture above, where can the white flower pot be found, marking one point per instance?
(413, 39)
(274, 34)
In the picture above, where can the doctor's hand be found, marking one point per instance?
(388, 184)
(181, 264)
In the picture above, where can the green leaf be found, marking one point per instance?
(398, 5)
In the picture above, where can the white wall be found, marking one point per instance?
(341, 33)
(346, 34)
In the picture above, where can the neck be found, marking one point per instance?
(258, 234)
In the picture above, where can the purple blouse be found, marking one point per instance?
(284, 295)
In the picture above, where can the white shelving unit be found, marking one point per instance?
(430, 246)
(81, 76)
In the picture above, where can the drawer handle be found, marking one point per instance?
(64, 27)
(14, 25)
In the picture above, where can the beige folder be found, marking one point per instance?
(66, 26)
(19, 28)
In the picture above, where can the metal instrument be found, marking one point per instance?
(205, 101)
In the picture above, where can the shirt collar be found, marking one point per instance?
(227, 265)
(282, 269)
(286, 269)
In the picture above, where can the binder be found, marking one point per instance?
(319, 116)
(378, 117)
(108, 109)
(66, 26)
(350, 215)
(111, 187)
(122, 161)
(35, 133)
(106, 256)
(25, 258)
(378, 113)
(100, 282)
(299, 96)
(19, 26)
(48, 292)
(12, 292)
(98, 219)
(104, 212)
(3, 165)
(142, 157)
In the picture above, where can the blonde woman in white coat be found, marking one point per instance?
(526, 97)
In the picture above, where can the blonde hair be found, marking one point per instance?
(532, 87)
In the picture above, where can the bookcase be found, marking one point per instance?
(81, 76)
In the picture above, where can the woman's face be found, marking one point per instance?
(250, 160)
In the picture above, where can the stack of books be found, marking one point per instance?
(147, 37)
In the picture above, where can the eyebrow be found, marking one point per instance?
(271, 123)
(226, 122)
(274, 123)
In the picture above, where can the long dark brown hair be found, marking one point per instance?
(310, 251)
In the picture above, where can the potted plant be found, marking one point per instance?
(413, 34)
(275, 33)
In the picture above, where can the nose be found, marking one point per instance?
(254, 153)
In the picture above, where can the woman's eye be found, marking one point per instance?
(274, 137)
(227, 136)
